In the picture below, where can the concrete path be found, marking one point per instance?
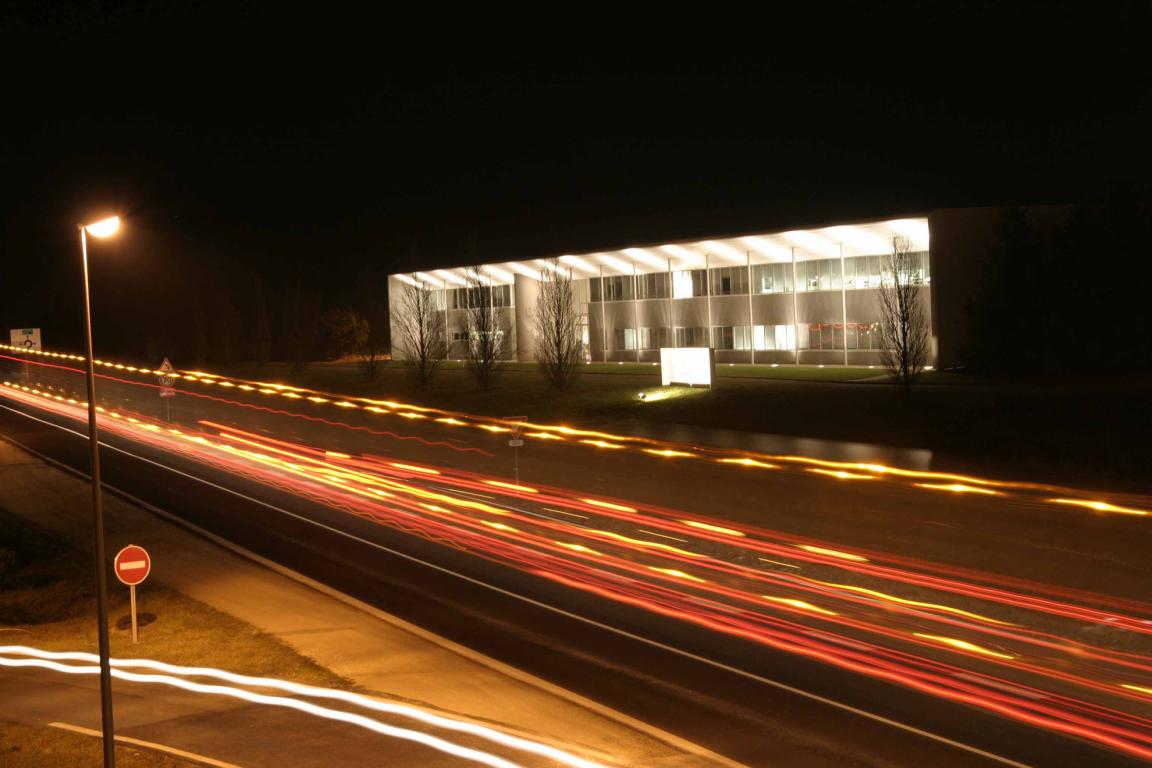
(375, 651)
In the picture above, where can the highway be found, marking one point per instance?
(776, 610)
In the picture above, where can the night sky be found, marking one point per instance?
(334, 143)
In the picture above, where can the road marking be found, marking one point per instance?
(202, 759)
(639, 725)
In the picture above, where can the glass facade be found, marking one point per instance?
(858, 272)
(482, 296)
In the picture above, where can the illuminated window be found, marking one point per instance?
(689, 283)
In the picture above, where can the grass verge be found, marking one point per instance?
(35, 746)
(47, 601)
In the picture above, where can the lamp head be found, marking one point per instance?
(105, 228)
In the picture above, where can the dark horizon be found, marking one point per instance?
(254, 144)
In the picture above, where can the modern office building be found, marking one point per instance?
(807, 296)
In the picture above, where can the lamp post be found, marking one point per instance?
(101, 229)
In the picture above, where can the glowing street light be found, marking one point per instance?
(100, 229)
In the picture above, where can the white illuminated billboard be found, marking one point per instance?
(687, 365)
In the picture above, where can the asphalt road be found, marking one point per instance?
(719, 695)
(235, 731)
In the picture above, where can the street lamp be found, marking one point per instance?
(101, 229)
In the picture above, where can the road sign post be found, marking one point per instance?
(132, 565)
(166, 390)
(515, 443)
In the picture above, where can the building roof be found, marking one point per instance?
(848, 240)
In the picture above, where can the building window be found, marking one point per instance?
(771, 278)
(652, 286)
(689, 283)
(727, 281)
(480, 296)
(691, 337)
(774, 337)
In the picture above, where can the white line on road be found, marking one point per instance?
(202, 759)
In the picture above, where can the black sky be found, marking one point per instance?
(343, 139)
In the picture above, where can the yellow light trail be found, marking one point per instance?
(1100, 506)
(832, 553)
(958, 488)
(644, 543)
(414, 468)
(677, 574)
(608, 505)
(1137, 688)
(749, 463)
(712, 528)
(840, 474)
(601, 444)
(964, 645)
(511, 486)
(802, 605)
(915, 603)
(578, 548)
(667, 453)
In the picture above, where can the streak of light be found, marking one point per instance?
(493, 428)
(337, 455)
(602, 444)
(543, 435)
(958, 488)
(511, 486)
(832, 553)
(578, 548)
(802, 605)
(712, 528)
(563, 512)
(608, 505)
(1137, 688)
(452, 421)
(841, 474)
(677, 574)
(749, 463)
(662, 535)
(647, 544)
(499, 526)
(964, 645)
(414, 468)
(667, 453)
(121, 665)
(777, 562)
(916, 603)
(1100, 506)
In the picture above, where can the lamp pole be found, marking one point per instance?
(100, 229)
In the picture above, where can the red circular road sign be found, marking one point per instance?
(132, 565)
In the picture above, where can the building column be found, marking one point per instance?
(708, 293)
(603, 320)
(795, 314)
(751, 324)
(635, 312)
(671, 310)
(844, 303)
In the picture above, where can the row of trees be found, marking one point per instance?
(421, 336)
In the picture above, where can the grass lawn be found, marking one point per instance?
(36, 746)
(47, 601)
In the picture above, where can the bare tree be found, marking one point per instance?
(488, 332)
(419, 329)
(559, 348)
(903, 324)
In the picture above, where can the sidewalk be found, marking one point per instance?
(377, 652)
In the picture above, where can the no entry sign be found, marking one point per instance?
(132, 565)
